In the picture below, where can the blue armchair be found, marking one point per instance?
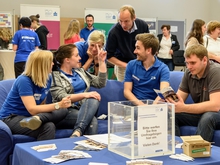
(113, 91)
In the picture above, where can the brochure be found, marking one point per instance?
(167, 92)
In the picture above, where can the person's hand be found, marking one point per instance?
(65, 102)
(179, 105)
(171, 52)
(94, 95)
(90, 54)
(101, 54)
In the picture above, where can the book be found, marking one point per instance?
(167, 92)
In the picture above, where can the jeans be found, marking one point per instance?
(206, 123)
(168, 62)
(82, 120)
(47, 129)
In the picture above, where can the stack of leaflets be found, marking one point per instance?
(65, 155)
(144, 162)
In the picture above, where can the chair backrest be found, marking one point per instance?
(5, 87)
(178, 58)
(113, 91)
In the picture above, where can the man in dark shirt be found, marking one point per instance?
(121, 39)
(202, 81)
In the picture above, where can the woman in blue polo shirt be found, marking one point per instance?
(71, 80)
(24, 110)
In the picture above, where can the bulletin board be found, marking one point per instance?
(177, 28)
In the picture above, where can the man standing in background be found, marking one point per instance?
(84, 33)
(121, 39)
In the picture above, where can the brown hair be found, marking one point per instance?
(167, 26)
(129, 8)
(64, 51)
(198, 50)
(149, 41)
(35, 18)
(196, 31)
(212, 25)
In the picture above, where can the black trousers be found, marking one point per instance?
(19, 68)
(45, 132)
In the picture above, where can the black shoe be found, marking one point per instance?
(32, 123)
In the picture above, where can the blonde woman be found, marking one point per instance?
(5, 37)
(72, 34)
(24, 110)
(41, 30)
(212, 40)
(89, 52)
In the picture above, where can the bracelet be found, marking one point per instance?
(97, 65)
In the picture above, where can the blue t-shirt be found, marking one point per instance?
(144, 81)
(85, 32)
(82, 47)
(23, 86)
(26, 40)
(77, 82)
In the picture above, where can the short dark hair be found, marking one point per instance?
(89, 15)
(25, 22)
(167, 26)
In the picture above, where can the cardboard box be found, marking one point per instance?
(195, 146)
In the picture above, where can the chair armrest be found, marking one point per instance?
(6, 144)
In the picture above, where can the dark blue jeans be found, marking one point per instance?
(168, 62)
(206, 123)
(83, 119)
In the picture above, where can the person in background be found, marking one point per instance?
(41, 31)
(197, 31)
(24, 110)
(24, 42)
(212, 40)
(202, 81)
(72, 81)
(121, 39)
(5, 37)
(84, 33)
(88, 51)
(72, 34)
(146, 72)
(168, 44)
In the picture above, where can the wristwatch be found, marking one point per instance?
(56, 106)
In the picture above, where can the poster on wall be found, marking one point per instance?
(50, 17)
(104, 19)
(5, 19)
(151, 22)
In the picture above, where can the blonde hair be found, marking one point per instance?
(212, 25)
(5, 34)
(198, 50)
(73, 28)
(129, 8)
(38, 66)
(96, 36)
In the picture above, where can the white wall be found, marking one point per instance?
(162, 9)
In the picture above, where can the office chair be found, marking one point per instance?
(179, 59)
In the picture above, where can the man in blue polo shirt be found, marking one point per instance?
(84, 33)
(145, 73)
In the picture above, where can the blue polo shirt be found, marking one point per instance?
(82, 47)
(144, 81)
(23, 86)
(85, 32)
